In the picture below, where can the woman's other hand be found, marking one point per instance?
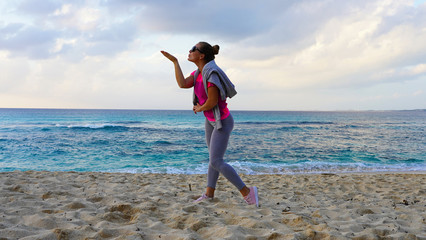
(197, 108)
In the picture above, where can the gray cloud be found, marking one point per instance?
(27, 40)
(228, 20)
(112, 40)
(288, 24)
(35, 37)
(34, 7)
(259, 23)
(10, 30)
(298, 47)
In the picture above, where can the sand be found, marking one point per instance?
(71, 205)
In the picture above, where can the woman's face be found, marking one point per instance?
(195, 54)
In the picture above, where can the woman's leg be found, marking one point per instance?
(212, 174)
(218, 143)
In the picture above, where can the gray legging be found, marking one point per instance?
(217, 141)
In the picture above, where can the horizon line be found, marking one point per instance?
(241, 110)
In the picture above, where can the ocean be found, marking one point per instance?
(172, 141)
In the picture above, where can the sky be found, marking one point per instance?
(321, 55)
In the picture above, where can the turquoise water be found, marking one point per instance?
(140, 141)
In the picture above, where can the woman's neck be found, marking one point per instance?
(200, 65)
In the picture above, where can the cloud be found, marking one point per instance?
(358, 47)
(72, 27)
(78, 18)
(227, 20)
(41, 8)
(116, 38)
(417, 93)
(27, 41)
(295, 48)
(13, 73)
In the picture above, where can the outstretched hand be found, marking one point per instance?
(169, 56)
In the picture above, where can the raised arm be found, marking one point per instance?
(180, 79)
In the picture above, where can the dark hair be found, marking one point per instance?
(208, 50)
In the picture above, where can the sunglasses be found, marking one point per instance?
(194, 48)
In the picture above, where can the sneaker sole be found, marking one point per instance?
(257, 197)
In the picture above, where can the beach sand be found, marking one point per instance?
(72, 205)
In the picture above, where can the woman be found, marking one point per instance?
(211, 88)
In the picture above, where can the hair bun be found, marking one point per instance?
(216, 49)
